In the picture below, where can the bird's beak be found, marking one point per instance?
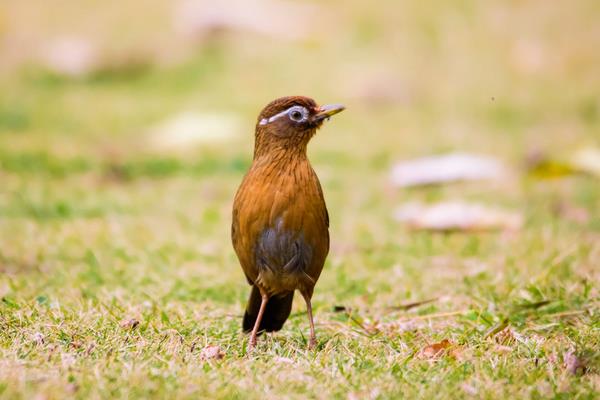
(327, 111)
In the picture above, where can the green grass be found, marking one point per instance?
(97, 230)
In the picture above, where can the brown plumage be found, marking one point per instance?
(280, 222)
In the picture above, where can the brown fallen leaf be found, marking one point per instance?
(211, 352)
(76, 345)
(435, 350)
(130, 324)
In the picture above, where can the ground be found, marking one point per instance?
(117, 276)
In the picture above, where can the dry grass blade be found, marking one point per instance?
(408, 306)
(496, 329)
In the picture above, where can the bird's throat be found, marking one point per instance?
(279, 152)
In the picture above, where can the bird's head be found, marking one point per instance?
(288, 123)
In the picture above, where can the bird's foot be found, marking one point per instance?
(312, 343)
(251, 344)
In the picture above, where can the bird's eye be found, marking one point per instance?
(298, 114)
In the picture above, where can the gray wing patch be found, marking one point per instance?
(282, 251)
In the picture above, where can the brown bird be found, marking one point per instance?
(280, 228)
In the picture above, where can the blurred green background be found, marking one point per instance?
(126, 127)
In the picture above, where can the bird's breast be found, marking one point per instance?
(280, 225)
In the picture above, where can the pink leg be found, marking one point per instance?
(263, 305)
(313, 338)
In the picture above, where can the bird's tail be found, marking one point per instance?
(276, 313)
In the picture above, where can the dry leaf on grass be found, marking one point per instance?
(456, 216)
(211, 352)
(446, 168)
(436, 350)
(413, 304)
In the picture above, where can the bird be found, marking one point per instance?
(280, 222)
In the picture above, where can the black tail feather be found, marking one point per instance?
(276, 313)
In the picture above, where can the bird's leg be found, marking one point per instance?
(263, 305)
(313, 338)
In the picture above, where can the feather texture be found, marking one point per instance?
(280, 222)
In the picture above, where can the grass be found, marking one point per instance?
(116, 269)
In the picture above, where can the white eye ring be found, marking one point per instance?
(297, 113)
(294, 113)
